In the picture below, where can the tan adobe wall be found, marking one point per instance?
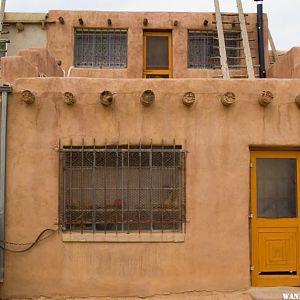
(33, 62)
(287, 65)
(61, 39)
(215, 253)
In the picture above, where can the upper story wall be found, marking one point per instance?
(61, 39)
(24, 30)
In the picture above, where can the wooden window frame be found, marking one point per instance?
(169, 71)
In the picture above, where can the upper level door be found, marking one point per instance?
(157, 54)
(275, 222)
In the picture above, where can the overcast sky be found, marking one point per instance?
(284, 21)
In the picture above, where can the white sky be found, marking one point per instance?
(284, 21)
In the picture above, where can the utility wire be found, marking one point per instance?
(42, 236)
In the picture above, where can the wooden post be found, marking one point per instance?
(222, 49)
(247, 51)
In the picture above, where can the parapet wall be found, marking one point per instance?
(287, 65)
(215, 252)
(33, 62)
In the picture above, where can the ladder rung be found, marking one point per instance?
(234, 48)
(235, 76)
(233, 39)
(4, 32)
(4, 41)
(236, 31)
(231, 57)
(3, 51)
(230, 14)
(240, 57)
(228, 22)
(229, 39)
(237, 66)
(242, 76)
(243, 66)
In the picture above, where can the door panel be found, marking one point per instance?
(277, 251)
(157, 55)
(275, 222)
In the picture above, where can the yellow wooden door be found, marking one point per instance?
(275, 218)
(157, 54)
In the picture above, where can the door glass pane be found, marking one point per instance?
(276, 188)
(157, 53)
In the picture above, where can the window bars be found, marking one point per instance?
(203, 49)
(122, 188)
(101, 48)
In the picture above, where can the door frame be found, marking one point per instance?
(169, 71)
(272, 280)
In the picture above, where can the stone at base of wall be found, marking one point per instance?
(274, 293)
(242, 295)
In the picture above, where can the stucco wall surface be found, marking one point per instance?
(13, 67)
(215, 253)
(61, 39)
(33, 34)
(33, 62)
(287, 65)
(41, 58)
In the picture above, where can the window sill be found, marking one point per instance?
(165, 237)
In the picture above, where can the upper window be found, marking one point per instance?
(157, 54)
(203, 49)
(101, 48)
(122, 188)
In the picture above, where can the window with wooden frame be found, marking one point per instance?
(129, 188)
(101, 48)
(157, 54)
(203, 49)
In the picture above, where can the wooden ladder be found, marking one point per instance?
(2, 9)
(3, 42)
(222, 48)
(272, 44)
(244, 36)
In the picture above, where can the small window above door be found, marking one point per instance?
(157, 55)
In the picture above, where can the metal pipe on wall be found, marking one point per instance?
(4, 89)
(260, 34)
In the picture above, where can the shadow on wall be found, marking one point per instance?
(32, 62)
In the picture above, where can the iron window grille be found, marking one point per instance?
(101, 48)
(203, 49)
(128, 188)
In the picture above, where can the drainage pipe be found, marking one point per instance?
(260, 34)
(4, 89)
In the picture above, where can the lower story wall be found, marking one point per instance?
(214, 250)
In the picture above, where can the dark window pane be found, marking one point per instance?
(122, 188)
(101, 48)
(203, 49)
(157, 53)
(276, 188)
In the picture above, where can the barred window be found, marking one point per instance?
(122, 188)
(3, 49)
(203, 49)
(101, 48)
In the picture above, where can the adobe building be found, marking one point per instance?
(142, 154)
